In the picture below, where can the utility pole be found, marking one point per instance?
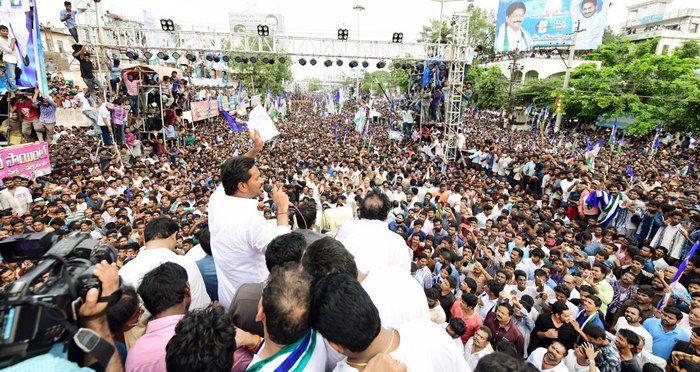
(567, 75)
(513, 68)
(358, 8)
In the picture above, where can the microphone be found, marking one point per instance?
(268, 188)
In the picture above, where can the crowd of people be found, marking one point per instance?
(341, 247)
(371, 252)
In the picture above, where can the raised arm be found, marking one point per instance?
(257, 144)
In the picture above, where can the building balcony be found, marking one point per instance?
(663, 33)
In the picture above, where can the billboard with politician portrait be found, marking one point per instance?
(529, 24)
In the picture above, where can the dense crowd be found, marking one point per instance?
(339, 245)
(501, 248)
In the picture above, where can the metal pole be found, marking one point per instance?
(513, 67)
(100, 37)
(358, 8)
(567, 75)
(439, 40)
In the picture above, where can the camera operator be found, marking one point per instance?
(92, 316)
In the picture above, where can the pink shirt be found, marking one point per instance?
(148, 352)
(132, 86)
(472, 323)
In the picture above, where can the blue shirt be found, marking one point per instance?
(55, 360)
(70, 22)
(208, 271)
(664, 342)
(454, 274)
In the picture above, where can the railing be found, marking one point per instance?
(640, 35)
(680, 13)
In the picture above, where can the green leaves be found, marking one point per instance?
(634, 80)
(490, 85)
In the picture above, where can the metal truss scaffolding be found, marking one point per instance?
(458, 66)
(124, 39)
(456, 55)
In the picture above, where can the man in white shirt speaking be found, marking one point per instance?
(369, 239)
(239, 232)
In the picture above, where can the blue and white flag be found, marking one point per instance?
(679, 274)
(235, 126)
(655, 144)
(613, 133)
(630, 173)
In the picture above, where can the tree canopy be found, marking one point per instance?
(632, 81)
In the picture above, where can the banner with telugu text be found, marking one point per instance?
(529, 24)
(29, 160)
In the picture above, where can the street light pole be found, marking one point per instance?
(358, 8)
(442, 5)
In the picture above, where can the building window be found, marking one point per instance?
(59, 46)
(693, 28)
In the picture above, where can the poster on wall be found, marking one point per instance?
(529, 24)
(22, 21)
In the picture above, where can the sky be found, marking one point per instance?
(316, 18)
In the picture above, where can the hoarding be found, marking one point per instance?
(29, 160)
(204, 109)
(529, 24)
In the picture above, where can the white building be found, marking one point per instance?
(531, 68)
(659, 18)
(248, 22)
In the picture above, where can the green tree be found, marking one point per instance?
(538, 92)
(633, 80)
(372, 80)
(436, 30)
(260, 76)
(481, 28)
(315, 84)
(398, 76)
(490, 87)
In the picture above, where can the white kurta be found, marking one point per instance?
(473, 358)
(424, 347)
(313, 358)
(19, 202)
(397, 295)
(239, 238)
(149, 259)
(374, 246)
(536, 360)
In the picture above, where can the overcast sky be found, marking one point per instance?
(309, 17)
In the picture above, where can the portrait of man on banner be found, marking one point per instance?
(590, 15)
(511, 35)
